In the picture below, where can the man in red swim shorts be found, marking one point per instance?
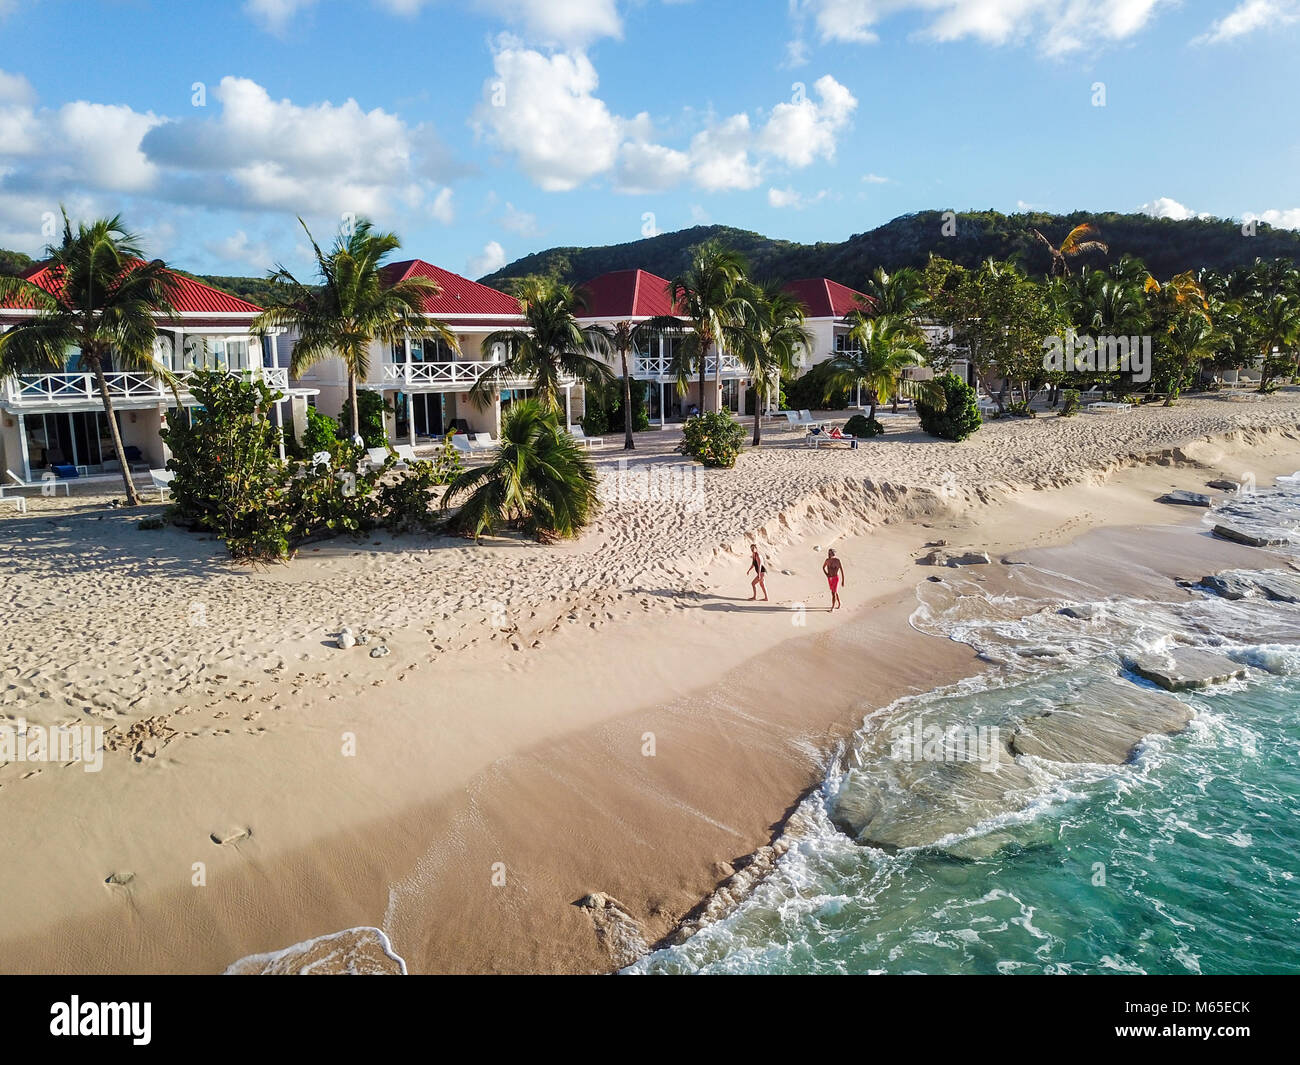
(834, 570)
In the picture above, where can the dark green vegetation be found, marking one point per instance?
(1165, 246)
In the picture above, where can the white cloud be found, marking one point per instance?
(789, 197)
(570, 23)
(699, 216)
(517, 221)
(406, 8)
(1164, 207)
(646, 168)
(542, 109)
(1060, 25)
(492, 258)
(1249, 16)
(802, 131)
(442, 209)
(875, 179)
(1288, 219)
(275, 15)
(275, 154)
(237, 249)
(720, 156)
(15, 89)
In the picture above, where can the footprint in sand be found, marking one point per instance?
(117, 880)
(28, 776)
(230, 836)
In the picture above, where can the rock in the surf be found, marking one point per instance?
(1187, 668)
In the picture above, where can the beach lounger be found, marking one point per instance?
(405, 456)
(482, 442)
(461, 443)
(576, 432)
(162, 480)
(1101, 407)
(16, 483)
(376, 456)
(20, 504)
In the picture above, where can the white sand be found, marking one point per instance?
(229, 713)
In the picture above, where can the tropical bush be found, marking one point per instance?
(1069, 403)
(371, 409)
(713, 438)
(320, 433)
(962, 416)
(863, 427)
(230, 480)
(541, 480)
(810, 392)
(226, 458)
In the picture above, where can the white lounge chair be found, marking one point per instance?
(482, 442)
(45, 484)
(462, 444)
(376, 456)
(19, 502)
(162, 480)
(576, 432)
(405, 455)
(1102, 407)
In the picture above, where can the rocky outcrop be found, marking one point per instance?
(1187, 668)
(941, 557)
(920, 793)
(1184, 498)
(1245, 584)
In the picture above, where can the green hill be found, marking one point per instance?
(1165, 246)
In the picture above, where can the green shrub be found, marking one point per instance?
(320, 433)
(332, 498)
(809, 392)
(447, 462)
(1020, 410)
(962, 416)
(371, 409)
(714, 439)
(1069, 403)
(863, 427)
(226, 458)
(405, 505)
(150, 524)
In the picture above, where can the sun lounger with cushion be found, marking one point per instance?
(581, 437)
(45, 484)
(162, 480)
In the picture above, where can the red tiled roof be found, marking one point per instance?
(622, 295)
(191, 297)
(825, 298)
(459, 295)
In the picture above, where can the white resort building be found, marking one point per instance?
(56, 419)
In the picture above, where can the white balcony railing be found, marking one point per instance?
(449, 376)
(655, 367)
(55, 390)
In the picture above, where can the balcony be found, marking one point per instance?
(660, 368)
(78, 391)
(447, 376)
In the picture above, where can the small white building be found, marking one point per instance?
(57, 418)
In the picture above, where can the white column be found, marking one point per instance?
(275, 352)
(22, 443)
(568, 405)
(406, 373)
(410, 417)
(663, 403)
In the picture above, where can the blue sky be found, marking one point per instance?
(481, 130)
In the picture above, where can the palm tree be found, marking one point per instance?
(1277, 325)
(625, 338)
(883, 348)
(553, 346)
(900, 294)
(540, 479)
(1189, 338)
(768, 342)
(1076, 242)
(709, 295)
(350, 306)
(106, 301)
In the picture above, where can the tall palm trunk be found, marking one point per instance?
(352, 402)
(101, 382)
(628, 443)
(704, 364)
(872, 399)
(758, 419)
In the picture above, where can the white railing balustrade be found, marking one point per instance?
(75, 389)
(661, 366)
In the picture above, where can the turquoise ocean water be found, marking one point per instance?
(1185, 860)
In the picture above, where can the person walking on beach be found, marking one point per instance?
(834, 570)
(756, 564)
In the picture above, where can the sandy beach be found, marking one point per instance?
(609, 715)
